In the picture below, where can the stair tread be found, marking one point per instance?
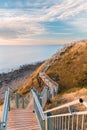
(22, 119)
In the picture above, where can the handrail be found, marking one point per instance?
(65, 105)
(44, 74)
(68, 121)
(5, 108)
(19, 99)
(7, 105)
(60, 121)
(41, 117)
(69, 114)
(39, 106)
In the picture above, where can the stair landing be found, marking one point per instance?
(23, 119)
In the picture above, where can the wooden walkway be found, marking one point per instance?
(48, 81)
(23, 119)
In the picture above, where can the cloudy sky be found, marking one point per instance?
(42, 21)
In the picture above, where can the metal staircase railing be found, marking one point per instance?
(12, 101)
(68, 121)
(67, 105)
(39, 111)
(5, 110)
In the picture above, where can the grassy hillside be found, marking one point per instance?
(33, 80)
(70, 71)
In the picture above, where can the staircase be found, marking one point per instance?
(23, 119)
(21, 114)
(16, 116)
(53, 86)
(34, 118)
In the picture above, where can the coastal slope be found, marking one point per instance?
(69, 70)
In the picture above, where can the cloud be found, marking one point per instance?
(26, 18)
(66, 9)
(19, 28)
(79, 24)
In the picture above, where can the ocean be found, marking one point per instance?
(12, 57)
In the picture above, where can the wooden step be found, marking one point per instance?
(23, 119)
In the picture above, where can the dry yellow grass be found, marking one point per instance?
(61, 99)
(71, 69)
(32, 81)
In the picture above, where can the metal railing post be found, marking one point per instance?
(46, 124)
(0, 125)
(16, 100)
(5, 110)
(9, 99)
(22, 102)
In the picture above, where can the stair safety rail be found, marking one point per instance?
(68, 121)
(12, 101)
(5, 110)
(39, 112)
(66, 105)
(18, 101)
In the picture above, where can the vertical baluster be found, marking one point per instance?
(16, 100)
(53, 123)
(22, 102)
(82, 122)
(56, 123)
(62, 122)
(77, 122)
(65, 122)
(0, 125)
(72, 121)
(8, 99)
(46, 123)
(9, 103)
(68, 122)
(59, 123)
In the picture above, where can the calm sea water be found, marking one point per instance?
(11, 57)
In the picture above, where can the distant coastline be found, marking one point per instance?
(11, 57)
(16, 78)
(21, 67)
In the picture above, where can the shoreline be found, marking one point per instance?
(20, 67)
(16, 78)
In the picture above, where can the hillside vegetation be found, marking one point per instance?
(32, 81)
(69, 71)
